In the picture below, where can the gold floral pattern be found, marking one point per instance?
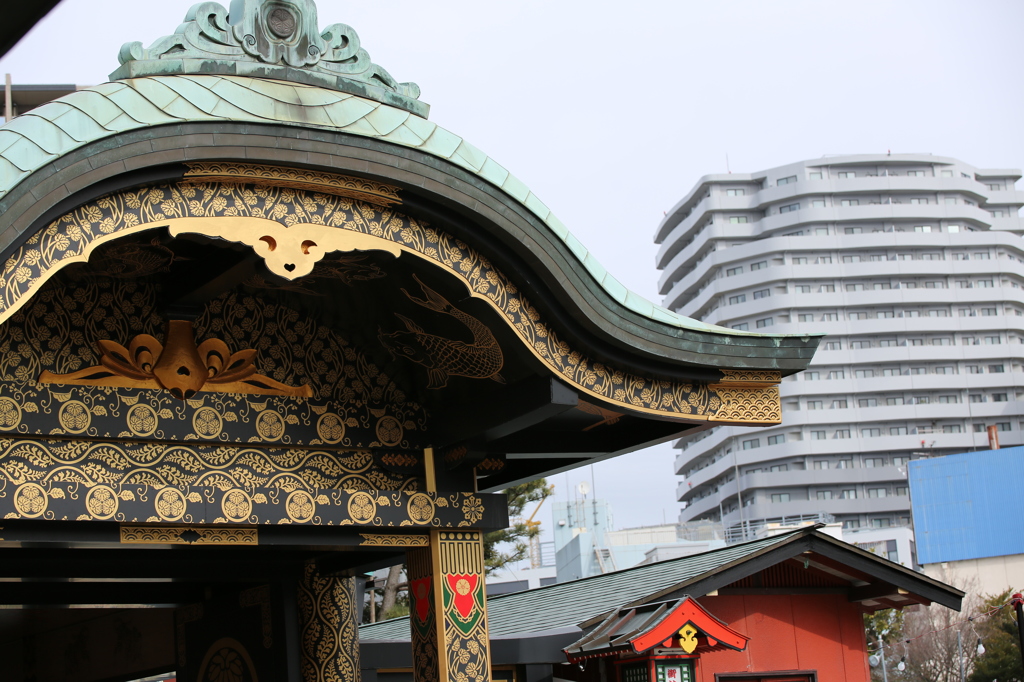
(330, 428)
(361, 507)
(206, 422)
(102, 502)
(30, 500)
(389, 430)
(142, 420)
(329, 635)
(74, 416)
(236, 505)
(300, 506)
(10, 413)
(421, 509)
(270, 425)
(224, 468)
(170, 504)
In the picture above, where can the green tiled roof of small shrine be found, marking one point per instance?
(571, 603)
(221, 67)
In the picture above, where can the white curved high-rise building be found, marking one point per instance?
(914, 267)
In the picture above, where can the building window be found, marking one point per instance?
(846, 175)
(839, 404)
(996, 369)
(735, 192)
(738, 298)
(830, 317)
(993, 340)
(818, 435)
(814, 175)
(762, 293)
(901, 491)
(742, 326)
(876, 492)
(780, 497)
(947, 173)
(815, 404)
(734, 271)
(821, 464)
(845, 464)
(880, 523)
(800, 260)
(764, 322)
(1003, 426)
(780, 467)
(874, 462)
(842, 434)
(759, 265)
(919, 201)
(833, 345)
(861, 344)
(949, 399)
(985, 284)
(837, 374)
(870, 433)
(849, 202)
(775, 440)
(786, 181)
(752, 443)
(738, 219)
(867, 402)
(984, 255)
(789, 208)
(849, 494)
(817, 203)
(805, 317)
(894, 401)
(898, 430)
(803, 288)
(979, 428)
(976, 398)
(824, 494)
(999, 397)
(952, 428)
(989, 312)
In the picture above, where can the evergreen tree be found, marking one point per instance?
(1002, 658)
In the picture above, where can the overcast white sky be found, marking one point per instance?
(611, 111)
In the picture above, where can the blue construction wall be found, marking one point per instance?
(968, 506)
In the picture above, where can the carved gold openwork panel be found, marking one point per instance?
(341, 222)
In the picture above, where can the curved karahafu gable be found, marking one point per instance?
(267, 152)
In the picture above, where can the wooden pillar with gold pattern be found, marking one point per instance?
(449, 609)
(329, 630)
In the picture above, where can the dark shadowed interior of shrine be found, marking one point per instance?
(265, 328)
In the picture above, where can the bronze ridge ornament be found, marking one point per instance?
(481, 359)
(179, 366)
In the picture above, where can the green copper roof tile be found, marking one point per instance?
(442, 143)
(99, 108)
(386, 119)
(318, 97)
(537, 206)
(560, 230)
(76, 125)
(515, 188)
(594, 267)
(140, 108)
(158, 94)
(349, 111)
(181, 108)
(420, 127)
(638, 303)
(45, 134)
(9, 173)
(204, 98)
(471, 157)
(493, 172)
(403, 135)
(614, 288)
(26, 155)
(576, 246)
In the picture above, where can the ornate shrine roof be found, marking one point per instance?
(214, 69)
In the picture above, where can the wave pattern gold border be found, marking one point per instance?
(72, 237)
